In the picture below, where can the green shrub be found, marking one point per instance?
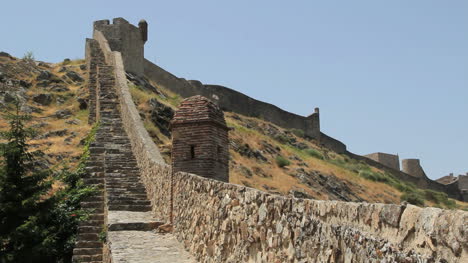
(282, 138)
(281, 161)
(298, 132)
(314, 153)
(439, 198)
(413, 198)
(373, 176)
(29, 56)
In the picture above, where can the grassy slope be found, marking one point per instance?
(57, 150)
(365, 182)
(362, 180)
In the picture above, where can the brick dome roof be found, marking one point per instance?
(198, 109)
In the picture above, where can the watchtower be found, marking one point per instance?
(200, 139)
(412, 167)
(127, 39)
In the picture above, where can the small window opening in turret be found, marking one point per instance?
(219, 152)
(192, 151)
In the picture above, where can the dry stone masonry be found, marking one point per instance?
(220, 222)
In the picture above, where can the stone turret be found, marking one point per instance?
(127, 39)
(200, 139)
(412, 167)
(389, 160)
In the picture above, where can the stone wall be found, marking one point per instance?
(231, 100)
(422, 182)
(219, 222)
(222, 222)
(412, 167)
(127, 39)
(390, 160)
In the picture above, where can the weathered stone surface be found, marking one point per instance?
(74, 76)
(43, 99)
(44, 75)
(146, 247)
(161, 116)
(63, 114)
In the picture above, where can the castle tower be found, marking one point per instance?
(200, 139)
(412, 167)
(127, 39)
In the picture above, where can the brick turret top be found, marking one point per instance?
(198, 109)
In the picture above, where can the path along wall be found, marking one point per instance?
(221, 222)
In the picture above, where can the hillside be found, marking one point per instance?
(281, 161)
(263, 155)
(54, 96)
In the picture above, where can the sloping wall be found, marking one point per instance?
(221, 222)
(231, 100)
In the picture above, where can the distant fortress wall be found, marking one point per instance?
(390, 160)
(231, 100)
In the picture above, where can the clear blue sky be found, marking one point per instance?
(389, 76)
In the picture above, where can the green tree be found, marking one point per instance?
(22, 191)
(36, 225)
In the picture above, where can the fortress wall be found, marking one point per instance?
(155, 173)
(332, 143)
(125, 38)
(412, 167)
(219, 221)
(422, 182)
(231, 100)
(390, 160)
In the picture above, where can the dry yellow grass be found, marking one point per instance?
(55, 147)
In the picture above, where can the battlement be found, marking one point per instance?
(413, 167)
(390, 160)
(126, 38)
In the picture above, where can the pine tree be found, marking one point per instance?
(22, 191)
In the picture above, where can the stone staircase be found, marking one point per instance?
(121, 226)
(113, 170)
(89, 247)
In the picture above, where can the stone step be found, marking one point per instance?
(87, 251)
(88, 244)
(140, 208)
(116, 198)
(88, 236)
(134, 226)
(86, 258)
(129, 202)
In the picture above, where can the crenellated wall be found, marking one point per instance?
(222, 222)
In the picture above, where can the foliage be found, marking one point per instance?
(281, 161)
(282, 138)
(37, 225)
(439, 198)
(298, 132)
(29, 56)
(413, 198)
(314, 153)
